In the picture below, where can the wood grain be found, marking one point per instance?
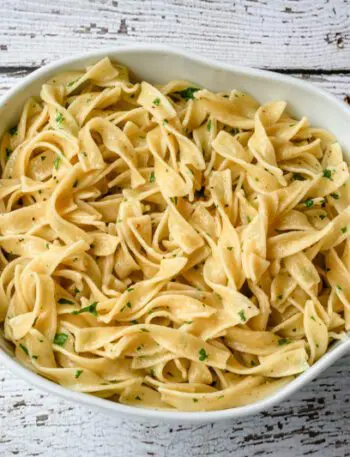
(306, 38)
(284, 34)
(315, 421)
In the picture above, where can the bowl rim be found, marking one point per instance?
(139, 413)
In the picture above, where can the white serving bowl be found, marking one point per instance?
(161, 64)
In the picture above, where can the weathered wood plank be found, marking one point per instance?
(263, 33)
(315, 421)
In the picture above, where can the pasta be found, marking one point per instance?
(168, 247)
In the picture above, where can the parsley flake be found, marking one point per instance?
(88, 309)
(327, 174)
(60, 339)
(187, 94)
(59, 118)
(202, 355)
(78, 373)
(283, 341)
(156, 101)
(309, 202)
(242, 315)
(13, 131)
(56, 163)
(298, 177)
(24, 349)
(334, 195)
(64, 301)
(152, 177)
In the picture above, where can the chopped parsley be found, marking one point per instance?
(8, 152)
(187, 94)
(152, 177)
(64, 301)
(202, 355)
(56, 163)
(309, 202)
(88, 309)
(42, 158)
(165, 122)
(230, 248)
(24, 349)
(71, 83)
(128, 305)
(335, 196)
(313, 318)
(59, 118)
(13, 131)
(195, 400)
(283, 341)
(242, 315)
(156, 101)
(60, 339)
(173, 200)
(298, 177)
(129, 289)
(209, 125)
(137, 397)
(134, 322)
(327, 174)
(78, 373)
(344, 229)
(339, 287)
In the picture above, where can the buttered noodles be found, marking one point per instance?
(167, 246)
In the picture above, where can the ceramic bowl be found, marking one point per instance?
(161, 64)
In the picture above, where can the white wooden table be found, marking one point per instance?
(306, 38)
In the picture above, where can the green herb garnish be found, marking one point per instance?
(335, 196)
(13, 131)
(202, 355)
(309, 202)
(24, 349)
(78, 373)
(298, 177)
(209, 125)
(152, 177)
(327, 174)
(156, 101)
(56, 163)
(59, 118)
(60, 339)
(64, 301)
(283, 341)
(87, 309)
(187, 94)
(242, 315)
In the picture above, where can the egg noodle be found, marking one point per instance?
(167, 246)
